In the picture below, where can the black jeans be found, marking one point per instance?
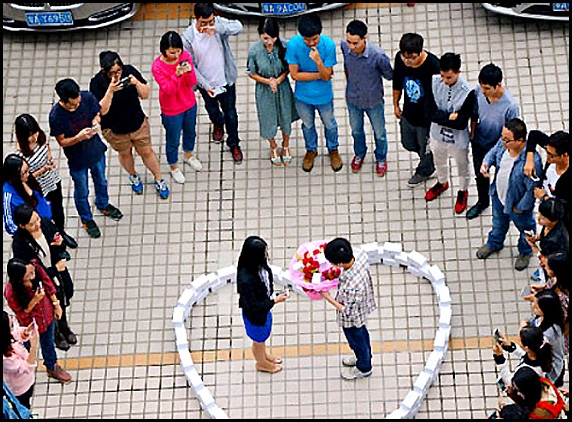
(56, 200)
(483, 184)
(228, 116)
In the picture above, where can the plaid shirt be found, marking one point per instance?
(43, 312)
(356, 293)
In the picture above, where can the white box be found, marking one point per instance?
(321, 258)
(227, 274)
(416, 259)
(436, 276)
(443, 294)
(446, 314)
(181, 334)
(402, 259)
(316, 278)
(442, 339)
(370, 248)
(182, 343)
(392, 249)
(188, 297)
(423, 383)
(201, 283)
(194, 379)
(391, 262)
(202, 296)
(425, 271)
(186, 360)
(412, 400)
(434, 362)
(179, 316)
(215, 412)
(397, 414)
(205, 397)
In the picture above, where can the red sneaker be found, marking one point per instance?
(218, 133)
(462, 201)
(381, 169)
(435, 191)
(357, 164)
(237, 154)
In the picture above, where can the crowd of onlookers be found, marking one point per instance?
(440, 115)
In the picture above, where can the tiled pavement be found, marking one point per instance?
(129, 281)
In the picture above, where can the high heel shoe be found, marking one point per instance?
(275, 157)
(286, 156)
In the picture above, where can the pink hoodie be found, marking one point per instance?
(176, 94)
(18, 373)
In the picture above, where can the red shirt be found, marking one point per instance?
(43, 312)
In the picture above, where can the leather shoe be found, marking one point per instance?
(522, 262)
(65, 255)
(475, 211)
(61, 342)
(60, 374)
(71, 338)
(69, 241)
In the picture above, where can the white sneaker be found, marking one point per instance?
(178, 176)
(194, 163)
(349, 361)
(355, 374)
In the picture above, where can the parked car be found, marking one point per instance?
(64, 16)
(547, 11)
(275, 9)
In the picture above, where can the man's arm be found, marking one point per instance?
(303, 76)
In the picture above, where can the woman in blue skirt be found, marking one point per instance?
(255, 287)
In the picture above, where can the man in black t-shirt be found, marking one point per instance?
(120, 89)
(413, 72)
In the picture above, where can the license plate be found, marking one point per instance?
(49, 19)
(561, 7)
(283, 9)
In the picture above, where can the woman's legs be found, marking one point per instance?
(263, 361)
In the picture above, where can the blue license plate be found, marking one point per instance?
(283, 9)
(561, 7)
(49, 19)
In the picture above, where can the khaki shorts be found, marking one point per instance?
(122, 143)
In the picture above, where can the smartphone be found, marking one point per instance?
(501, 385)
(529, 233)
(497, 335)
(493, 415)
(535, 178)
(40, 285)
(526, 292)
(124, 82)
(219, 90)
(282, 292)
(184, 63)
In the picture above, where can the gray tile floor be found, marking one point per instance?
(129, 281)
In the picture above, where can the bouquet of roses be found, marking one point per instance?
(310, 270)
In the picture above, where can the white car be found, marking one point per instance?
(279, 10)
(51, 17)
(545, 11)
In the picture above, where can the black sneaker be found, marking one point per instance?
(112, 212)
(92, 229)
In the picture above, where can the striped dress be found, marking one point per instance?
(39, 159)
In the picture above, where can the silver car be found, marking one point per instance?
(64, 16)
(280, 10)
(545, 11)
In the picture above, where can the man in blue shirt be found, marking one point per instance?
(311, 58)
(365, 65)
(496, 107)
(512, 192)
(75, 123)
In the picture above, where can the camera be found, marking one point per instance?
(124, 82)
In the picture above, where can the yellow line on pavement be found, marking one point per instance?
(330, 349)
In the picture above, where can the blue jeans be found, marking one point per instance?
(48, 347)
(81, 189)
(376, 117)
(185, 123)
(501, 223)
(358, 339)
(307, 113)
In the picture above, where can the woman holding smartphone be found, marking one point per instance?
(31, 295)
(33, 146)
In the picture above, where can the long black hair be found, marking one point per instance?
(7, 337)
(253, 256)
(270, 27)
(549, 304)
(12, 174)
(528, 389)
(25, 126)
(16, 271)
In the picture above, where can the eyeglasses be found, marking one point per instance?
(508, 141)
(112, 73)
(550, 155)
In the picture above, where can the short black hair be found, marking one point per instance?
(108, 59)
(204, 10)
(450, 61)
(552, 209)
(514, 412)
(491, 75)
(310, 25)
(23, 214)
(170, 39)
(339, 251)
(518, 128)
(411, 43)
(357, 27)
(560, 141)
(67, 89)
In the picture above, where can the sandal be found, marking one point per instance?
(275, 157)
(286, 155)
